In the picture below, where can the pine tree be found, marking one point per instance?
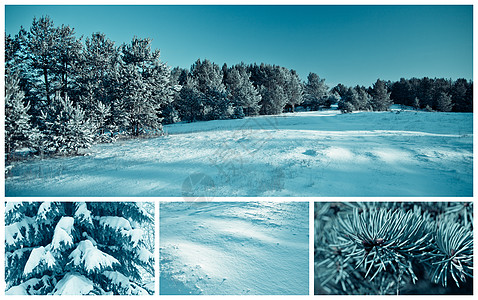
(42, 59)
(315, 92)
(98, 84)
(145, 87)
(293, 89)
(393, 247)
(461, 97)
(204, 96)
(18, 129)
(416, 103)
(242, 91)
(65, 127)
(380, 96)
(77, 248)
(68, 55)
(349, 100)
(188, 102)
(364, 99)
(271, 83)
(444, 102)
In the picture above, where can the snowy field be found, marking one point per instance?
(236, 248)
(301, 154)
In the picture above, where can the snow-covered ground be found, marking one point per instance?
(234, 248)
(301, 154)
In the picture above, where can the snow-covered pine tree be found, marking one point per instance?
(272, 86)
(98, 85)
(68, 55)
(242, 91)
(364, 100)
(293, 89)
(444, 102)
(77, 248)
(211, 91)
(349, 100)
(18, 130)
(380, 96)
(188, 101)
(273, 100)
(41, 59)
(315, 92)
(65, 127)
(145, 87)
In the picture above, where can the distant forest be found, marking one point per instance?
(64, 93)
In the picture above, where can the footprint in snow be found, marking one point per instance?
(310, 152)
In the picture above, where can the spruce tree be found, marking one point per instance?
(77, 248)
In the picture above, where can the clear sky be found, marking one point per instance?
(343, 44)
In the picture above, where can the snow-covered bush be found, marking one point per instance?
(393, 248)
(77, 248)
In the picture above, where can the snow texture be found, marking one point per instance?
(234, 248)
(73, 284)
(116, 223)
(91, 257)
(324, 153)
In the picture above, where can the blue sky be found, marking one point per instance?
(343, 44)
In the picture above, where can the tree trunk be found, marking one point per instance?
(47, 85)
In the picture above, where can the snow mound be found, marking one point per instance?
(39, 256)
(44, 208)
(124, 227)
(91, 257)
(24, 288)
(73, 284)
(13, 232)
(62, 234)
(82, 212)
(11, 205)
(144, 255)
(117, 223)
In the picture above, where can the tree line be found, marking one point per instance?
(64, 93)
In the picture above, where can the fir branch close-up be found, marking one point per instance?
(393, 248)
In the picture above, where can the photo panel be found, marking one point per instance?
(234, 248)
(79, 248)
(393, 248)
